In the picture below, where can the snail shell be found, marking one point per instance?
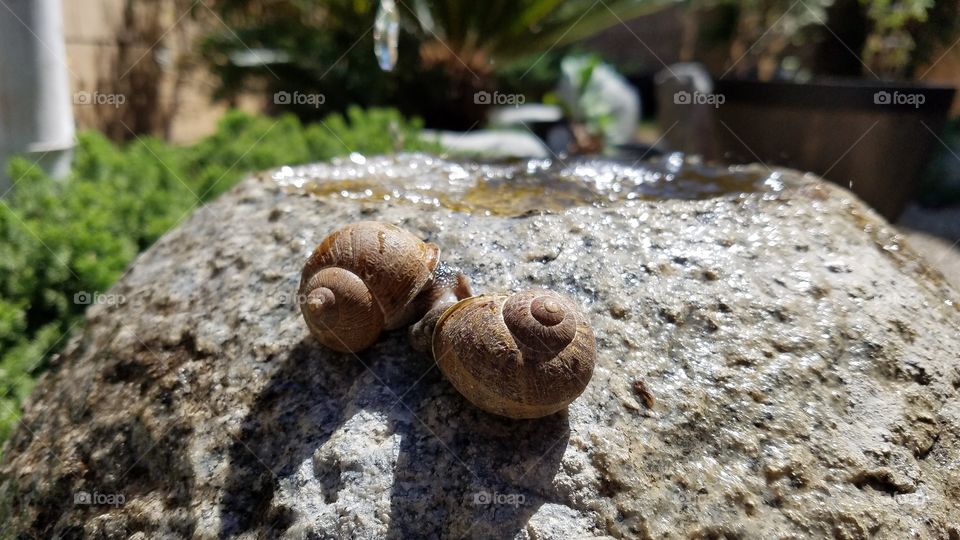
(525, 355)
(364, 278)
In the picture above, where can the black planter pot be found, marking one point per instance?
(871, 137)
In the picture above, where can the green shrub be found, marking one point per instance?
(61, 238)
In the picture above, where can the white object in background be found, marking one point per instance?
(605, 96)
(491, 143)
(258, 57)
(36, 118)
(518, 116)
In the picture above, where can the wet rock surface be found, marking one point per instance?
(773, 362)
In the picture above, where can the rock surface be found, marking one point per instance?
(773, 362)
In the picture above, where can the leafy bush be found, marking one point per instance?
(62, 238)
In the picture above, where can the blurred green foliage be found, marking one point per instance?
(889, 39)
(510, 29)
(63, 238)
(890, 45)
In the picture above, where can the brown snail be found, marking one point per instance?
(367, 277)
(525, 355)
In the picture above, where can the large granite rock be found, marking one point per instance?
(773, 363)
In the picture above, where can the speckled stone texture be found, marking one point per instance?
(771, 364)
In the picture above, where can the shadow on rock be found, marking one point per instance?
(459, 471)
(298, 410)
(483, 478)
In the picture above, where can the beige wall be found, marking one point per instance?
(157, 58)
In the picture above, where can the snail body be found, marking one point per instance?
(525, 355)
(364, 278)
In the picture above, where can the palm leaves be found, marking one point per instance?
(508, 29)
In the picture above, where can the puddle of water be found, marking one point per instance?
(519, 187)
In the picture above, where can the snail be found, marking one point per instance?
(525, 355)
(368, 277)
